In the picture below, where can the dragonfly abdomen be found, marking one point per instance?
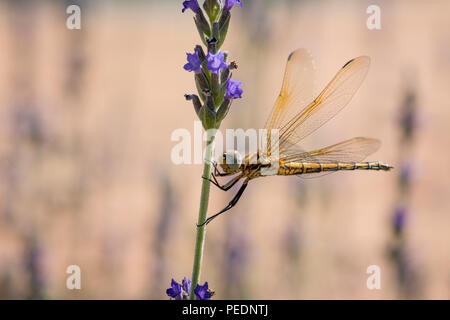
(286, 169)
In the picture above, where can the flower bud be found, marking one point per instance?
(223, 110)
(215, 30)
(202, 25)
(200, 52)
(211, 43)
(227, 73)
(207, 112)
(212, 8)
(202, 84)
(224, 22)
(195, 101)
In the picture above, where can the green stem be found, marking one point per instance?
(204, 199)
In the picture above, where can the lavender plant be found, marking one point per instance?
(407, 277)
(216, 91)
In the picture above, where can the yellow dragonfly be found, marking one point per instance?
(293, 124)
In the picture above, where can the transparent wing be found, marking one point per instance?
(296, 92)
(353, 150)
(331, 100)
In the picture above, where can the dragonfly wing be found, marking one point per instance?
(353, 150)
(297, 90)
(331, 100)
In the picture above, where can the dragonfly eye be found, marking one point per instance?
(232, 160)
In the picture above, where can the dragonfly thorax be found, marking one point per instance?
(231, 161)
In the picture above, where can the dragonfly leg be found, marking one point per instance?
(229, 206)
(217, 172)
(227, 185)
(215, 182)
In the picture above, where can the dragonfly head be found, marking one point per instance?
(231, 161)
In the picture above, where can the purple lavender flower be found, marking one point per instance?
(175, 291)
(182, 291)
(191, 4)
(194, 62)
(399, 219)
(202, 292)
(216, 62)
(186, 285)
(233, 90)
(230, 3)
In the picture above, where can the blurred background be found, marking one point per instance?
(86, 178)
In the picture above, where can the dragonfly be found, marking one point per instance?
(298, 113)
